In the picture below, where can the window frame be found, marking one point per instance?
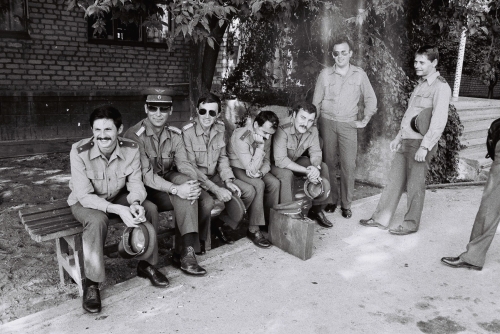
(19, 34)
(142, 33)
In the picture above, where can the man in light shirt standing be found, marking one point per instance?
(338, 90)
(414, 150)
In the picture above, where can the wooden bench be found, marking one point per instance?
(55, 221)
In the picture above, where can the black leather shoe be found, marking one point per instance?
(91, 301)
(455, 262)
(222, 237)
(330, 208)
(258, 239)
(189, 264)
(320, 217)
(203, 250)
(372, 223)
(346, 213)
(146, 270)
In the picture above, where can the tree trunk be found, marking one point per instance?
(491, 86)
(211, 54)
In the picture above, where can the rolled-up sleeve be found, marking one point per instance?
(280, 151)
(136, 189)
(440, 102)
(82, 188)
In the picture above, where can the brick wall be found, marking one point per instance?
(51, 82)
(472, 86)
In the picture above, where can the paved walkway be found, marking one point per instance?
(359, 280)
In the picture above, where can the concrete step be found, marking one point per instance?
(480, 117)
(480, 133)
(471, 102)
(493, 112)
(477, 126)
(474, 142)
(473, 152)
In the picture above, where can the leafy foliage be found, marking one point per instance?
(444, 164)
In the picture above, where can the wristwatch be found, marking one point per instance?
(173, 191)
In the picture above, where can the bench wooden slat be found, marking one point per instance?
(56, 235)
(54, 228)
(46, 215)
(52, 221)
(61, 204)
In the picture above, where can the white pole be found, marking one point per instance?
(460, 61)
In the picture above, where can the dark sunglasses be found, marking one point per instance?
(163, 110)
(343, 53)
(212, 113)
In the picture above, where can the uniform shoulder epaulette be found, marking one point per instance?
(440, 78)
(245, 134)
(140, 131)
(174, 129)
(85, 147)
(286, 125)
(188, 126)
(127, 143)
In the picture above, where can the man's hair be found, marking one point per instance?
(106, 112)
(431, 51)
(209, 98)
(306, 106)
(340, 40)
(267, 116)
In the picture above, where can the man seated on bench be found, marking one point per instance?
(106, 179)
(294, 137)
(170, 179)
(249, 153)
(204, 138)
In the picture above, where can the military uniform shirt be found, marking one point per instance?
(336, 97)
(289, 145)
(246, 154)
(160, 154)
(431, 92)
(207, 153)
(95, 181)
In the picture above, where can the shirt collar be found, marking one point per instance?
(351, 69)
(149, 129)
(431, 78)
(96, 152)
(199, 130)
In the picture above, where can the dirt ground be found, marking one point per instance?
(29, 277)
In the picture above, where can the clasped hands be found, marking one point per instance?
(313, 174)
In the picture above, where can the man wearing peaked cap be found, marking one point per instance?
(204, 138)
(106, 179)
(415, 144)
(170, 179)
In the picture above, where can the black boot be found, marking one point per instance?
(189, 264)
(91, 301)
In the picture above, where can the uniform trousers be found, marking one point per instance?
(487, 218)
(186, 214)
(405, 174)
(267, 192)
(247, 194)
(286, 178)
(340, 141)
(95, 229)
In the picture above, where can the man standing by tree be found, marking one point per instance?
(295, 136)
(249, 154)
(338, 91)
(106, 179)
(205, 143)
(162, 157)
(413, 149)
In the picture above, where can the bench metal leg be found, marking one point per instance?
(70, 259)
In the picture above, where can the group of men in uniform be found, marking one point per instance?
(156, 167)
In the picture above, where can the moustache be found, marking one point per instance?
(103, 138)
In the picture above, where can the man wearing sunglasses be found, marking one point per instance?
(249, 152)
(204, 138)
(171, 181)
(338, 90)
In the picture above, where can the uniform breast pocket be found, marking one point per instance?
(425, 100)
(200, 152)
(332, 89)
(98, 182)
(168, 160)
(216, 147)
(354, 82)
(121, 176)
